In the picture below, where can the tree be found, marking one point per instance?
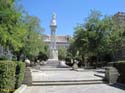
(19, 32)
(97, 37)
(33, 43)
(11, 26)
(89, 35)
(62, 52)
(81, 41)
(116, 38)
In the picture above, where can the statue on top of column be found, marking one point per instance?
(53, 21)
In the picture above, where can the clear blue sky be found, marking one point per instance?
(69, 12)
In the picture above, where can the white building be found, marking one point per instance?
(61, 41)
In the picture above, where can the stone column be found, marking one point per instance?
(53, 50)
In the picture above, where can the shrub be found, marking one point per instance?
(68, 61)
(20, 69)
(3, 58)
(42, 56)
(62, 52)
(7, 76)
(121, 68)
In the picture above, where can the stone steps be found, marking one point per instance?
(54, 69)
(66, 82)
(102, 75)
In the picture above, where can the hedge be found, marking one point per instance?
(20, 69)
(121, 68)
(7, 76)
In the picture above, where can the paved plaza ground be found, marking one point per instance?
(69, 75)
(99, 88)
(38, 75)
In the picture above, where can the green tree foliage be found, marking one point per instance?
(62, 53)
(98, 36)
(33, 38)
(19, 32)
(9, 24)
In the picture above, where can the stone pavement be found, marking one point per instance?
(69, 75)
(96, 88)
(38, 75)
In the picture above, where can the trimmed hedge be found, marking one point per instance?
(20, 69)
(7, 76)
(11, 75)
(121, 68)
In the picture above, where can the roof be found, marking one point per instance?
(120, 13)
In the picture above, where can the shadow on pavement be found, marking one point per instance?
(118, 85)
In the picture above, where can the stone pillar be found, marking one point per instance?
(111, 75)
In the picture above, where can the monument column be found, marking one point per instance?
(53, 49)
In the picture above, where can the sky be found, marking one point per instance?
(69, 12)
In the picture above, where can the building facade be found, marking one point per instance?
(119, 18)
(61, 41)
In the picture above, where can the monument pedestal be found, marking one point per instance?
(52, 63)
(53, 54)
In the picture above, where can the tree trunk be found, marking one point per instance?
(97, 60)
(18, 55)
(113, 56)
(85, 62)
